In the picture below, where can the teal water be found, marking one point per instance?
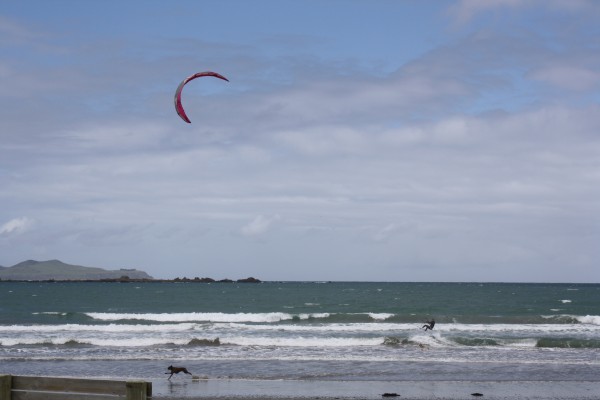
(305, 330)
(409, 302)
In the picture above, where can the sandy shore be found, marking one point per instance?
(450, 390)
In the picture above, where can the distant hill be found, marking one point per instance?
(32, 270)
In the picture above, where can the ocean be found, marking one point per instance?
(324, 331)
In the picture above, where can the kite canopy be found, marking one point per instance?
(178, 106)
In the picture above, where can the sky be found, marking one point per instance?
(356, 140)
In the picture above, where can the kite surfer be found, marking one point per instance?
(429, 325)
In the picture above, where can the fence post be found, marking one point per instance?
(5, 386)
(136, 390)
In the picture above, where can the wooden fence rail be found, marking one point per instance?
(14, 387)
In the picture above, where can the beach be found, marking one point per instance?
(415, 380)
(413, 390)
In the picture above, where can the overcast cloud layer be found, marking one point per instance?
(356, 140)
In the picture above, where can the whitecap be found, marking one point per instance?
(380, 316)
(302, 341)
(589, 319)
(193, 317)
(315, 315)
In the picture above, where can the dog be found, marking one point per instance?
(176, 370)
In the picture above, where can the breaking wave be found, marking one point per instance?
(205, 317)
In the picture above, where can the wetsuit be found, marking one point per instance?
(430, 326)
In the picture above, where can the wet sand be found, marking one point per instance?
(194, 389)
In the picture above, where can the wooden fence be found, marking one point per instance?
(45, 388)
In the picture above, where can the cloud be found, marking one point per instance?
(466, 10)
(13, 32)
(258, 226)
(16, 226)
(384, 233)
(568, 77)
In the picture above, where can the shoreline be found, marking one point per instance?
(248, 389)
(202, 389)
(134, 280)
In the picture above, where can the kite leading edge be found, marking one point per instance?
(178, 105)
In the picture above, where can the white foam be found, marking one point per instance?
(565, 301)
(207, 317)
(95, 341)
(348, 327)
(242, 330)
(114, 328)
(380, 316)
(432, 340)
(314, 315)
(589, 324)
(137, 341)
(50, 313)
(190, 317)
(25, 341)
(589, 319)
(524, 343)
(302, 341)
